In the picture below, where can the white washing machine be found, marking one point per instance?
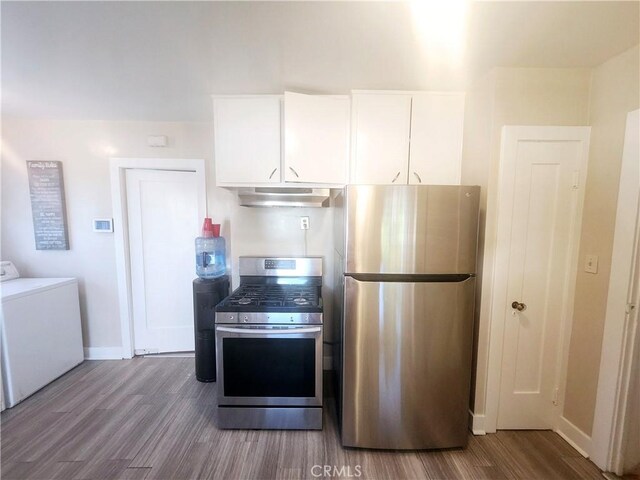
(40, 332)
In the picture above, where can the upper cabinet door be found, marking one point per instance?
(380, 136)
(437, 121)
(316, 133)
(247, 140)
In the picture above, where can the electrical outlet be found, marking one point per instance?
(304, 223)
(591, 264)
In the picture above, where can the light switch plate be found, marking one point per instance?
(591, 264)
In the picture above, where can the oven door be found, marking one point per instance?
(274, 365)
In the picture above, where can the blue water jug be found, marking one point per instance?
(210, 252)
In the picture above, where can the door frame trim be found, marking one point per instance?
(117, 167)
(619, 336)
(511, 135)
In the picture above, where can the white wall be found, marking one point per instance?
(479, 133)
(84, 147)
(615, 92)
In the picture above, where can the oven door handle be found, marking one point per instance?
(261, 331)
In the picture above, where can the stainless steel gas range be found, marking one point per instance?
(269, 346)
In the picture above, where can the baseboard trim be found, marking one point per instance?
(103, 353)
(170, 355)
(115, 353)
(327, 362)
(574, 436)
(476, 424)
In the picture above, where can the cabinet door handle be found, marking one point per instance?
(395, 178)
(272, 173)
(294, 172)
(418, 177)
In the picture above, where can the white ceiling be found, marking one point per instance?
(163, 60)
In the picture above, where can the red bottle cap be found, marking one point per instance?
(208, 229)
(216, 229)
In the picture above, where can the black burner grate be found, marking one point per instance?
(274, 296)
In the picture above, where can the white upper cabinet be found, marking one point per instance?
(371, 138)
(316, 134)
(407, 138)
(380, 138)
(437, 121)
(247, 139)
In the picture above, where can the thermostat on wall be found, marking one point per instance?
(103, 225)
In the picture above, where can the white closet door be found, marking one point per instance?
(540, 197)
(437, 121)
(380, 136)
(164, 219)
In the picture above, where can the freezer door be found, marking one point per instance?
(408, 229)
(406, 364)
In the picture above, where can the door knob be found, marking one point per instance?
(518, 306)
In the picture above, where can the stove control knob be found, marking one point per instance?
(230, 317)
(245, 319)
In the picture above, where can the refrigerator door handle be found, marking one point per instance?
(410, 278)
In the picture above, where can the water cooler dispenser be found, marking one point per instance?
(207, 293)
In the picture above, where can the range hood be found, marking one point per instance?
(284, 197)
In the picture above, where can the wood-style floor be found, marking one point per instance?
(148, 418)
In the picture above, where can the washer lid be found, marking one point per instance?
(28, 286)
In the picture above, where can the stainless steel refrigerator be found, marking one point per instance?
(405, 269)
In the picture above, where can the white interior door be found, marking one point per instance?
(627, 250)
(163, 217)
(617, 412)
(630, 454)
(539, 201)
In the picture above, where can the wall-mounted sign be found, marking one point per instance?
(47, 205)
